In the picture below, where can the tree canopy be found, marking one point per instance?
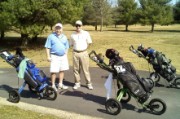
(97, 12)
(176, 10)
(155, 12)
(126, 12)
(30, 17)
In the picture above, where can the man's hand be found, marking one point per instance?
(49, 59)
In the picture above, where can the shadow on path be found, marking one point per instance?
(86, 96)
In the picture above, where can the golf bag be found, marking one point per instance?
(32, 75)
(126, 72)
(158, 60)
(163, 66)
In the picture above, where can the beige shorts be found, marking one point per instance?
(58, 63)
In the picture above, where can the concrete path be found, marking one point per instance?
(91, 102)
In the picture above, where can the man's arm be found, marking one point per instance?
(48, 54)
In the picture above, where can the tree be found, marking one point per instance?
(4, 18)
(29, 17)
(97, 12)
(176, 10)
(102, 8)
(71, 10)
(168, 12)
(89, 15)
(155, 12)
(115, 16)
(26, 17)
(127, 12)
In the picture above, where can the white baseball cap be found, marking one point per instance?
(58, 25)
(78, 22)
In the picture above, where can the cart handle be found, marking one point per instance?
(93, 56)
(131, 48)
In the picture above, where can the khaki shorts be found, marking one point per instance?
(58, 63)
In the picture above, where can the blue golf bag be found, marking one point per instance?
(33, 76)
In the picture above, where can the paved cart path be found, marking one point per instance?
(91, 102)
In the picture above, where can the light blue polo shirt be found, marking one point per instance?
(57, 44)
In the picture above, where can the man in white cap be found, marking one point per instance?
(56, 49)
(80, 40)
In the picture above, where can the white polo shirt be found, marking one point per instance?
(80, 41)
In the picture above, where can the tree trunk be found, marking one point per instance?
(51, 28)
(34, 38)
(152, 27)
(2, 34)
(24, 39)
(96, 26)
(101, 28)
(126, 27)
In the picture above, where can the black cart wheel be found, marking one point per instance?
(113, 106)
(151, 82)
(157, 106)
(14, 96)
(50, 93)
(155, 77)
(177, 82)
(126, 97)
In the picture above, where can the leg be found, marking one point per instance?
(84, 61)
(53, 78)
(76, 67)
(54, 69)
(61, 77)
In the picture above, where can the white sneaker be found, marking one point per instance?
(76, 86)
(89, 86)
(62, 86)
(54, 88)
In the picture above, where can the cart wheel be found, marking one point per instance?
(177, 82)
(50, 93)
(32, 89)
(14, 96)
(157, 106)
(155, 77)
(113, 106)
(126, 97)
(151, 83)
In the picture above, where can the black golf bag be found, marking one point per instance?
(163, 66)
(125, 71)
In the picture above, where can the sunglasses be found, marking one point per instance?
(78, 25)
(57, 27)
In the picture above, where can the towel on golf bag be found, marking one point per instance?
(108, 86)
(22, 68)
(31, 74)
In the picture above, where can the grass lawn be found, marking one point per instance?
(165, 39)
(13, 112)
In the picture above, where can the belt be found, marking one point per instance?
(79, 51)
(56, 54)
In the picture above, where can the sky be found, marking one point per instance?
(114, 2)
(174, 1)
